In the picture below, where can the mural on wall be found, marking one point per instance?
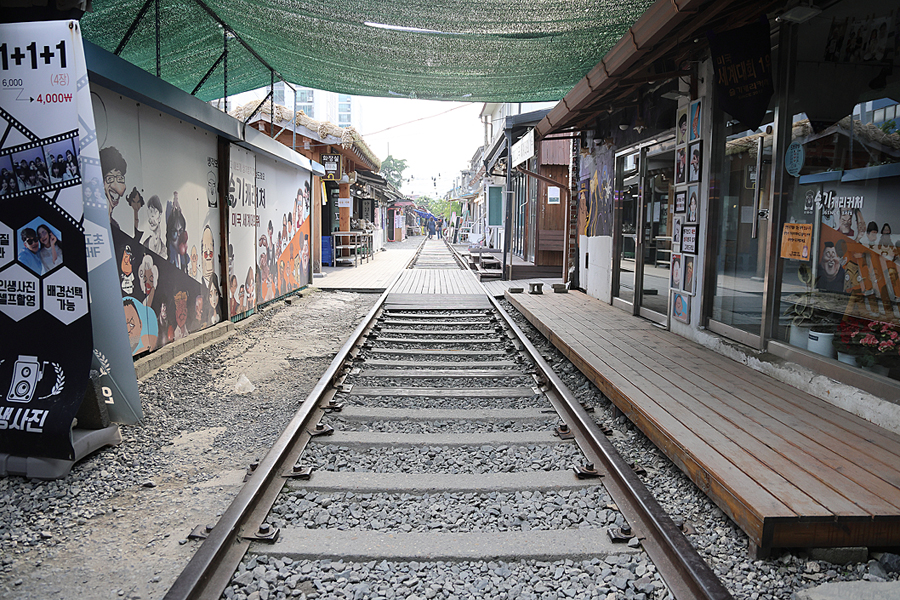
(164, 220)
(269, 233)
(596, 190)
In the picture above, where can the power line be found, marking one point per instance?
(417, 120)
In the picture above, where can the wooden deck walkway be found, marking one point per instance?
(793, 471)
(373, 276)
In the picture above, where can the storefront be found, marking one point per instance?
(769, 229)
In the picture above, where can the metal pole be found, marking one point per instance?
(158, 69)
(272, 104)
(508, 197)
(225, 65)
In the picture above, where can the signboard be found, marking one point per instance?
(796, 239)
(495, 205)
(553, 195)
(399, 220)
(345, 202)
(523, 149)
(44, 296)
(794, 158)
(742, 60)
(332, 164)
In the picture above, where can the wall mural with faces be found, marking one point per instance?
(164, 218)
(269, 230)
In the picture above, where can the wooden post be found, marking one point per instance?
(344, 212)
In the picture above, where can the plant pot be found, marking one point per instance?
(878, 370)
(848, 359)
(821, 343)
(799, 336)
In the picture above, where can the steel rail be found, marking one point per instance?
(679, 564)
(209, 571)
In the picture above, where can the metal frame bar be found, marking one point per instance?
(256, 110)
(132, 28)
(158, 52)
(208, 73)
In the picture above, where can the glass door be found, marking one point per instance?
(740, 251)
(627, 202)
(656, 235)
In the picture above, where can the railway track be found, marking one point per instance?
(439, 456)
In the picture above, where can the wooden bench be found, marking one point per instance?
(551, 240)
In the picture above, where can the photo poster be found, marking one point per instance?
(689, 239)
(688, 279)
(857, 251)
(680, 201)
(693, 204)
(695, 122)
(695, 162)
(44, 294)
(681, 131)
(681, 307)
(681, 165)
(675, 272)
(677, 223)
(283, 206)
(156, 174)
(242, 233)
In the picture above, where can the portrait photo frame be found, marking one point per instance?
(689, 238)
(681, 165)
(681, 129)
(675, 272)
(680, 201)
(693, 204)
(694, 121)
(677, 224)
(688, 278)
(681, 307)
(695, 162)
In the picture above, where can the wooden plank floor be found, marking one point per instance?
(790, 469)
(372, 276)
(437, 281)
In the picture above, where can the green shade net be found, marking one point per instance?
(485, 51)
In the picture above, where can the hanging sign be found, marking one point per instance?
(45, 326)
(332, 164)
(742, 60)
(794, 157)
(345, 203)
(523, 149)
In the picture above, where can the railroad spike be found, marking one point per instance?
(620, 535)
(299, 471)
(265, 533)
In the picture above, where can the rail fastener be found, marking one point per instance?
(299, 471)
(586, 471)
(320, 429)
(264, 533)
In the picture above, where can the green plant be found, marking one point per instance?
(803, 311)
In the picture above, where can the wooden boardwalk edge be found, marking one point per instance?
(768, 522)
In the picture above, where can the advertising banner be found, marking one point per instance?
(283, 208)
(242, 226)
(44, 296)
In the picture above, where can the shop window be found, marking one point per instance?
(840, 292)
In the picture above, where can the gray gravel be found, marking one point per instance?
(443, 459)
(446, 512)
(615, 577)
(536, 401)
(456, 426)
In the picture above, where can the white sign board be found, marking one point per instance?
(345, 203)
(553, 195)
(523, 149)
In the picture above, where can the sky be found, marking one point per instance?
(437, 139)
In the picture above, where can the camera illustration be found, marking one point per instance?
(27, 372)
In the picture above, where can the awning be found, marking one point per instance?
(466, 50)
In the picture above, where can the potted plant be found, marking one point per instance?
(802, 313)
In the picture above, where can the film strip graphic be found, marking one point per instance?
(41, 143)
